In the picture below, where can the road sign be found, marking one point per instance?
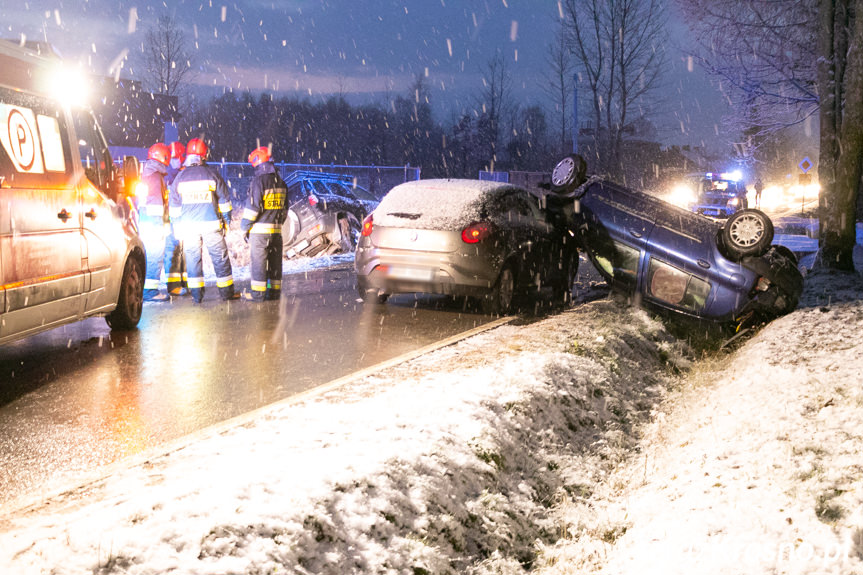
(805, 164)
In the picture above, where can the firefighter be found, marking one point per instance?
(161, 247)
(201, 209)
(176, 277)
(265, 212)
(178, 156)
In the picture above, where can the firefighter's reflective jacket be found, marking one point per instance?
(266, 207)
(199, 200)
(153, 206)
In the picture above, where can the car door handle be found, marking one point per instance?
(635, 233)
(64, 215)
(91, 214)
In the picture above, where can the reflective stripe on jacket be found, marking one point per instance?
(266, 207)
(199, 199)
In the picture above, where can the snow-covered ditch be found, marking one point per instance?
(453, 462)
(587, 441)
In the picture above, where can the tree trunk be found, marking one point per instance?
(841, 145)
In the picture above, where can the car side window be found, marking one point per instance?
(339, 189)
(508, 207)
(95, 159)
(675, 286)
(621, 263)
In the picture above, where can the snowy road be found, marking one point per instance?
(77, 399)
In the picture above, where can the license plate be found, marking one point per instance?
(406, 273)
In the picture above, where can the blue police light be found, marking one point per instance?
(734, 176)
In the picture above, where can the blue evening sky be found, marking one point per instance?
(361, 48)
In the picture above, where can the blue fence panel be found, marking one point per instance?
(502, 177)
(377, 180)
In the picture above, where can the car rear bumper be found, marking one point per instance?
(392, 271)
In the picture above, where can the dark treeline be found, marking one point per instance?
(399, 132)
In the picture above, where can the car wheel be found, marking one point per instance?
(349, 233)
(499, 301)
(373, 296)
(291, 227)
(747, 233)
(130, 303)
(568, 174)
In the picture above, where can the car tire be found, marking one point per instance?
(569, 173)
(130, 302)
(500, 300)
(373, 297)
(747, 233)
(291, 227)
(349, 233)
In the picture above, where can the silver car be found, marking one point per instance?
(486, 240)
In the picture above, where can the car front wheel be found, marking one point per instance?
(747, 233)
(127, 314)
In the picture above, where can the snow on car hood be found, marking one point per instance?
(435, 204)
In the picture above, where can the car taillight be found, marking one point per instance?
(475, 233)
(368, 224)
(313, 200)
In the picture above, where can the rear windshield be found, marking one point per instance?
(444, 205)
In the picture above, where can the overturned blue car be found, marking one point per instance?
(676, 261)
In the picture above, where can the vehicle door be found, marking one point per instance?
(616, 226)
(41, 245)
(524, 233)
(683, 266)
(104, 240)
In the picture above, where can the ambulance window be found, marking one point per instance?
(52, 144)
(34, 148)
(95, 160)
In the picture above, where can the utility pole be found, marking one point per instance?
(575, 113)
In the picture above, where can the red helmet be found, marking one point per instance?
(159, 152)
(197, 147)
(260, 155)
(178, 150)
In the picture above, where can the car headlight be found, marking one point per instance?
(681, 195)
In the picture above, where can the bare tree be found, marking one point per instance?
(840, 82)
(784, 61)
(618, 45)
(168, 62)
(494, 103)
(559, 85)
(763, 53)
